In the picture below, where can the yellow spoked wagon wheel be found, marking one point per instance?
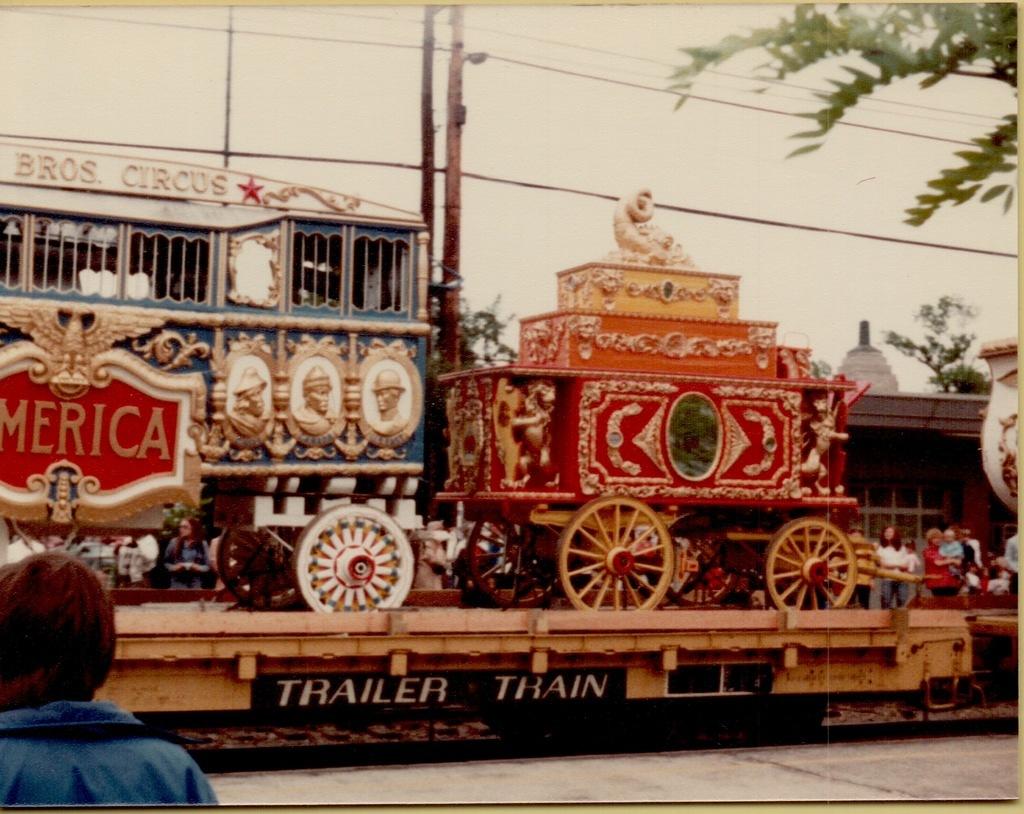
(810, 565)
(615, 553)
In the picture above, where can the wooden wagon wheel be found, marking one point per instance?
(507, 566)
(810, 564)
(353, 558)
(616, 552)
(255, 566)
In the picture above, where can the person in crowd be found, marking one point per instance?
(953, 550)
(971, 545)
(915, 567)
(939, 578)
(865, 551)
(891, 557)
(1008, 563)
(187, 557)
(59, 747)
(432, 559)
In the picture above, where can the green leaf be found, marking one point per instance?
(807, 148)
(994, 192)
(1009, 200)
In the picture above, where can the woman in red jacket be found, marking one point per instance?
(939, 577)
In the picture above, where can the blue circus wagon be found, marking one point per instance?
(168, 328)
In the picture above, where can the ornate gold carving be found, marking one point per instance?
(769, 444)
(171, 350)
(593, 393)
(639, 240)
(254, 284)
(541, 341)
(223, 319)
(334, 202)
(575, 290)
(1007, 450)
(790, 402)
(522, 426)
(795, 362)
(69, 353)
(823, 428)
(284, 470)
(465, 435)
(614, 438)
(736, 441)
(721, 292)
(585, 330)
(762, 340)
(648, 440)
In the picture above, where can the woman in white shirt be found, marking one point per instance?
(892, 557)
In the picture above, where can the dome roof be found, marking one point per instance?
(867, 364)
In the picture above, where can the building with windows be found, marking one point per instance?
(914, 459)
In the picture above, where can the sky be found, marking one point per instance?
(589, 112)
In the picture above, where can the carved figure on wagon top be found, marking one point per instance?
(823, 427)
(640, 241)
(523, 427)
(248, 412)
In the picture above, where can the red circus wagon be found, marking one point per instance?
(651, 444)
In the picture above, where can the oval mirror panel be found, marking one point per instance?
(694, 436)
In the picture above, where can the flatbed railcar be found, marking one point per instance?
(651, 445)
(558, 668)
(166, 328)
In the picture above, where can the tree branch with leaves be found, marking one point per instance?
(943, 351)
(929, 41)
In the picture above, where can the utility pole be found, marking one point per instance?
(453, 197)
(227, 88)
(427, 127)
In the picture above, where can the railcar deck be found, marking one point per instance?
(190, 661)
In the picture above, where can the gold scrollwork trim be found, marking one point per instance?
(155, 317)
(334, 202)
(614, 438)
(721, 292)
(171, 350)
(301, 470)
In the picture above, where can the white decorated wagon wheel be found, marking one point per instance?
(353, 558)
(615, 553)
(810, 565)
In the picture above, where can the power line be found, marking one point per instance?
(712, 100)
(523, 184)
(509, 60)
(648, 60)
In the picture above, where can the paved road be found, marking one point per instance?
(963, 768)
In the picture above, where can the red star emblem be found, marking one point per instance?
(251, 190)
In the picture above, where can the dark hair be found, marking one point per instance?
(195, 531)
(56, 631)
(897, 538)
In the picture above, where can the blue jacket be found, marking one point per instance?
(93, 753)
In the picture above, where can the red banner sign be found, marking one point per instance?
(117, 434)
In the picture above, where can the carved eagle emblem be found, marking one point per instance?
(72, 338)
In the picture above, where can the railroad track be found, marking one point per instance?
(239, 747)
